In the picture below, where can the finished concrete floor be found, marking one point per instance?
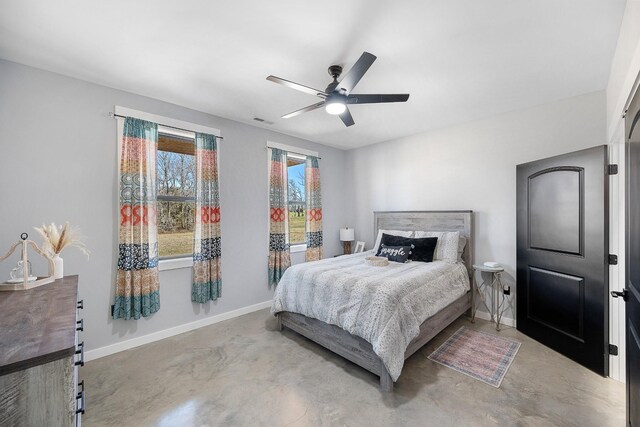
(242, 372)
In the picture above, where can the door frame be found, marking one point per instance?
(617, 238)
(617, 233)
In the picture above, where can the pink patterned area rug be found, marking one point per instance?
(485, 357)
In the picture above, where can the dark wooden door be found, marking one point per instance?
(562, 254)
(632, 292)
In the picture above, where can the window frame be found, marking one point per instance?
(300, 152)
(159, 197)
(302, 246)
(163, 122)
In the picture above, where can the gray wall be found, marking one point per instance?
(58, 163)
(470, 166)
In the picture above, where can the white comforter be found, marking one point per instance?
(383, 305)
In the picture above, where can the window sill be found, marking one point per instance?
(297, 248)
(175, 263)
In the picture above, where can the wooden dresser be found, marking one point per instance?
(40, 355)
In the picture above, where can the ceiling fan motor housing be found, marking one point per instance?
(335, 71)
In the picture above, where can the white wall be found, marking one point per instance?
(470, 166)
(58, 163)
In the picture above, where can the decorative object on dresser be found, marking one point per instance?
(56, 239)
(491, 289)
(347, 235)
(20, 276)
(41, 355)
(359, 247)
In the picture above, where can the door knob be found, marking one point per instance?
(624, 294)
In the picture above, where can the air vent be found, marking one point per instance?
(258, 119)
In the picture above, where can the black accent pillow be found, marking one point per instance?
(423, 248)
(395, 253)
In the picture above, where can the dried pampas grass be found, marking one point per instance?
(56, 238)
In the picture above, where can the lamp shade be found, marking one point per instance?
(347, 234)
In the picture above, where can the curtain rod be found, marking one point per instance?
(293, 152)
(114, 115)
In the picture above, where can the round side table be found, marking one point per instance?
(490, 288)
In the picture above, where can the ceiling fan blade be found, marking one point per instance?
(296, 86)
(356, 72)
(375, 99)
(304, 110)
(346, 118)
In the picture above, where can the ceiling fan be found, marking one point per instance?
(337, 95)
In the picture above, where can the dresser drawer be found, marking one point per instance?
(39, 365)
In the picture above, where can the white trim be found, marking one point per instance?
(166, 333)
(302, 247)
(175, 263)
(506, 321)
(617, 213)
(292, 149)
(176, 132)
(168, 121)
(296, 156)
(627, 92)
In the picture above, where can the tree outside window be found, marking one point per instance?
(297, 201)
(176, 191)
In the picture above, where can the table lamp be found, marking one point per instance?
(347, 235)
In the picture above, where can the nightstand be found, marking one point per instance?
(490, 288)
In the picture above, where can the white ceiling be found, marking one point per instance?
(459, 59)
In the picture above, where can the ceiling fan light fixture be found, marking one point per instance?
(335, 106)
(338, 94)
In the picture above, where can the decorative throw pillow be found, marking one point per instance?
(422, 249)
(447, 249)
(402, 233)
(395, 253)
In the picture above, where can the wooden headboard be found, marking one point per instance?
(461, 221)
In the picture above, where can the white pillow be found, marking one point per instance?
(447, 247)
(391, 233)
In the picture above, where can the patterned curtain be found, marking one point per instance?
(207, 282)
(314, 210)
(279, 257)
(137, 284)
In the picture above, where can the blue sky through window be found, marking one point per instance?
(296, 173)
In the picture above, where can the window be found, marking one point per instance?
(296, 171)
(297, 202)
(176, 192)
(175, 184)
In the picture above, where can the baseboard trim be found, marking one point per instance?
(506, 321)
(176, 330)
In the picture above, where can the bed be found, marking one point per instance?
(371, 315)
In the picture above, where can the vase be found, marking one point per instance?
(58, 267)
